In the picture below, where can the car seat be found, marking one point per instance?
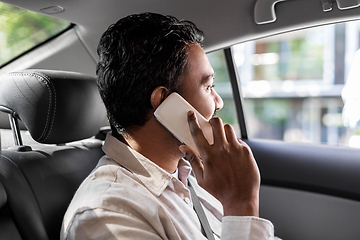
(59, 109)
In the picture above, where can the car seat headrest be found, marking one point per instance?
(55, 106)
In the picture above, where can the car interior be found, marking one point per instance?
(292, 114)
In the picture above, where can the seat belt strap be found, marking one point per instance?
(200, 213)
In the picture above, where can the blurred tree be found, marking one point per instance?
(21, 30)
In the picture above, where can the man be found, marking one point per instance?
(139, 189)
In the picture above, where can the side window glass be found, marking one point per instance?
(223, 88)
(292, 84)
(21, 30)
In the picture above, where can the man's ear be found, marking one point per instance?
(158, 96)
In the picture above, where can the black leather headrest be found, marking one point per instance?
(55, 106)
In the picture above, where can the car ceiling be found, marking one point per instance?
(224, 22)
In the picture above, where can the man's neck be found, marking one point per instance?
(157, 144)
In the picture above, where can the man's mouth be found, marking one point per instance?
(214, 114)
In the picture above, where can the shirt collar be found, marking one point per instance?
(151, 175)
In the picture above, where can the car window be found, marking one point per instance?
(223, 88)
(21, 30)
(292, 84)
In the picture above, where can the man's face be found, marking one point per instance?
(197, 83)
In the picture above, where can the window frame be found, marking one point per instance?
(236, 90)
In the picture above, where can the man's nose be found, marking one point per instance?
(218, 101)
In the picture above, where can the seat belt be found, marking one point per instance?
(200, 213)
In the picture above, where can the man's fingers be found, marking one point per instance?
(196, 132)
(218, 130)
(230, 134)
(194, 160)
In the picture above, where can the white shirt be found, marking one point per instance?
(127, 196)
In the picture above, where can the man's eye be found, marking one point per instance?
(210, 87)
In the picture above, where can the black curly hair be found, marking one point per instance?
(137, 54)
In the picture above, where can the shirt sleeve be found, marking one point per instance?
(246, 228)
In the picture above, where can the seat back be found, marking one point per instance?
(8, 229)
(37, 182)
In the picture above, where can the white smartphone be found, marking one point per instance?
(172, 114)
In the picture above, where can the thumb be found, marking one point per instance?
(194, 160)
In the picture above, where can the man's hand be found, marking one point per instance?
(227, 169)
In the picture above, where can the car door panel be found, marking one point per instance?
(298, 214)
(309, 191)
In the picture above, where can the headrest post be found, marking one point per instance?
(16, 130)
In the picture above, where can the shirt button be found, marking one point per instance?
(187, 200)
